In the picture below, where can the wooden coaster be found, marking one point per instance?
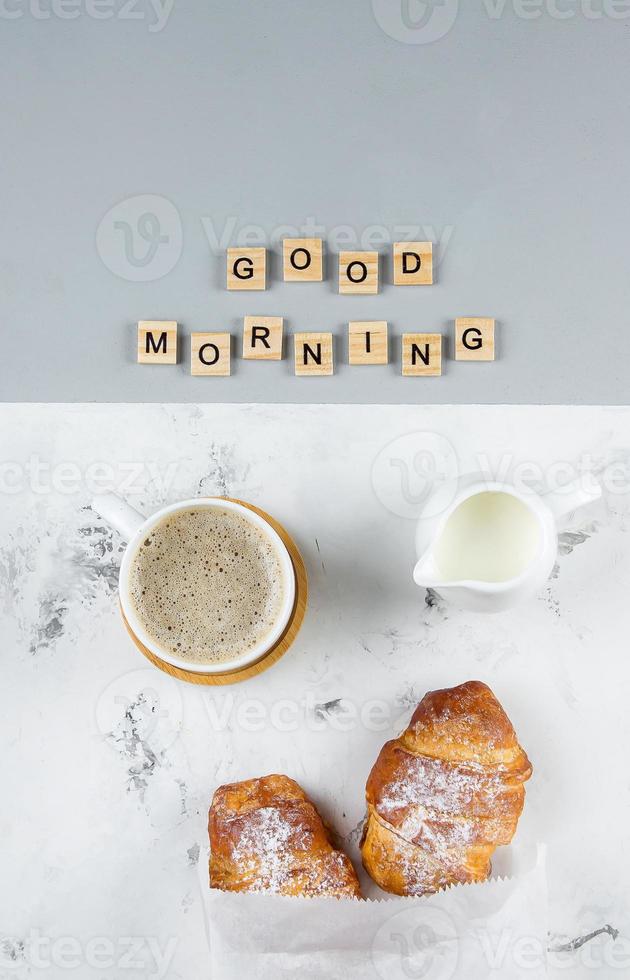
(282, 645)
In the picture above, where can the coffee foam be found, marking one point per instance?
(207, 585)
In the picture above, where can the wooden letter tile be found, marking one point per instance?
(303, 259)
(157, 342)
(358, 272)
(413, 263)
(210, 354)
(262, 338)
(247, 268)
(474, 339)
(422, 355)
(367, 342)
(313, 354)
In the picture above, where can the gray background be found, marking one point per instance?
(505, 140)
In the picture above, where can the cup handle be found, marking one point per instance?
(118, 514)
(567, 499)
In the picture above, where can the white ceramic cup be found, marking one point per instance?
(135, 528)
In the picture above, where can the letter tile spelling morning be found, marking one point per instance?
(367, 342)
(474, 338)
(422, 355)
(210, 354)
(157, 342)
(247, 268)
(262, 338)
(313, 354)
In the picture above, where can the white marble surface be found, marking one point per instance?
(107, 767)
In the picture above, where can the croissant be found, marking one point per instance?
(444, 795)
(267, 836)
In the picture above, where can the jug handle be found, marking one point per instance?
(118, 514)
(565, 500)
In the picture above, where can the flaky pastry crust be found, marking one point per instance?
(267, 836)
(444, 795)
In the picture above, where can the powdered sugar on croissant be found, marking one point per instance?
(267, 836)
(443, 796)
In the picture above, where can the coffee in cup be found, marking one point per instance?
(206, 585)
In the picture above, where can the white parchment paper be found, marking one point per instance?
(496, 929)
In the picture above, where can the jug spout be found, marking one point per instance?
(567, 499)
(426, 574)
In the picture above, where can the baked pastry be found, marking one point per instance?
(267, 836)
(444, 795)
